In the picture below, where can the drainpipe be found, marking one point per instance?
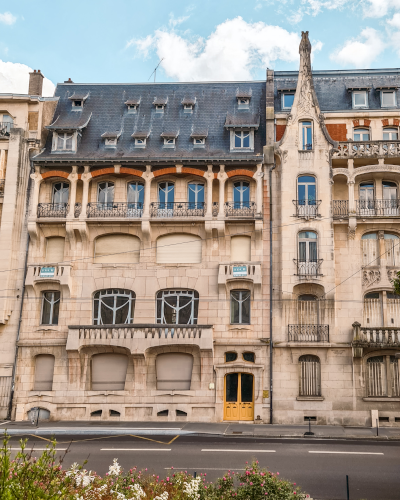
(22, 298)
(271, 345)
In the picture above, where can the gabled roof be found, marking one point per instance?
(111, 135)
(78, 96)
(133, 102)
(70, 121)
(170, 134)
(160, 101)
(199, 133)
(189, 101)
(242, 120)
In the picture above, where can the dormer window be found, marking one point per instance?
(140, 143)
(159, 108)
(199, 138)
(169, 143)
(132, 108)
(160, 103)
(199, 142)
(77, 104)
(64, 141)
(111, 142)
(388, 99)
(188, 104)
(78, 100)
(359, 96)
(242, 127)
(169, 139)
(287, 100)
(140, 139)
(243, 98)
(111, 139)
(242, 139)
(188, 107)
(132, 105)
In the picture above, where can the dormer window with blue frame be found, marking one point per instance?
(306, 136)
(287, 100)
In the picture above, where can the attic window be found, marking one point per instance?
(243, 102)
(140, 143)
(287, 100)
(77, 104)
(111, 142)
(360, 99)
(188, 107)
(169, 142)
(160, 108)
(197, 141)
(78, 100)
(64, 141)
(132, 108)
(388, 98)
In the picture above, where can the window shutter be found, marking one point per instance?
(44, 370)
(117, 249)
(109, 372)
(240, 248)
(179, 249)
(174, 371)
(55, 250)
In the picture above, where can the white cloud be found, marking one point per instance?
(14, 79)
(395, 21)
(232, 52)
(361, 51)
(7, 18)
(175, 21)
(379, 8)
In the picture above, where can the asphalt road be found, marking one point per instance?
(318, 466)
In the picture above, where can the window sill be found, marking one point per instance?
(63, 151)
(382, 399)
(242, 150)
(310, 398)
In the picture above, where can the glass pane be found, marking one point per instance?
(60, 141)
(313, 251)
(246, 140)
(386, 136)
(302, 251)
(232, 387)
(230, 356)
(122, 312)
(68, 142)
(46, 309)
(235, 307)
(238, 140)
(369, 236)
(387, 98)
(306, 178)
(185, 312)
(312, 193)
(107, 314)
(359, 98)
(236, 193)
(246, 310)
(309, 138)
(169, 314)
(246, 387)
(288, 100)
(301, 191)
(56, 308)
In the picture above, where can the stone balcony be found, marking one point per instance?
(139, 337)
(49, 273)
(238, 271)
(374, 338)
(366, 149)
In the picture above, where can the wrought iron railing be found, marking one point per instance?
(367, 149)
(240, 209)
(179, 209)
(308, 268)
(52, 209)
(215, 209)
(308, 333)
(340, 209)
(307, 209)
(77, 209)
(104, 210)
(378, 208)
(2, 182)
(5, 129)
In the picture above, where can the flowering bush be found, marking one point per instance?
(43, 478)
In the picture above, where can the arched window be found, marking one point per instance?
(240, 248)
(306, 135)
(135, 197)
(105, 194)
(306, 196)
(383, 376)
(117, 249)
(195, 196)
(230, 356)
(361, 134)
(113, 307)
(310, 376)
(55, 249)
(108, 372)
(180, 248)
(174, 371)
(177, 307)
(44, 371)
(307, 310)
(60, 194)
(240, 307)
(166, 198)
(50, 308)
(390, 134)
(307, 253)
(392, 249)
(369, 248)
(241, 194)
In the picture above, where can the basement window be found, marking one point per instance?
(163, 413)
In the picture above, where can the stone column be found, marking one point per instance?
(259, 189)
(73, 179)
(37, 177)
(222, 179)
(210, 178)
(86, 177)
(378, 188)
(148, 176)
(3, 154)
(350, 185)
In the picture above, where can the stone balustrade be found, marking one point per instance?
(384, 337)
(56, 273)
(367, 149)
(139, 337)
(234, 271)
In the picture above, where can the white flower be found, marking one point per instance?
(163, 496)
(191, 489)
(115, 469)
(138, 493)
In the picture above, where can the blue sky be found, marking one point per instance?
(123, 40)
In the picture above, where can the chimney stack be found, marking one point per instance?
(35, 83)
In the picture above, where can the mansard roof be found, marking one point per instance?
(216, 105)
(333, 88)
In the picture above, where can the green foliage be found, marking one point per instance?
(396, 283)
(43, 478)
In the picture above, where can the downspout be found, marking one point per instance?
(271, 345)
(22, 299)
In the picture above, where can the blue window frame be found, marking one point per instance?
(306, 136)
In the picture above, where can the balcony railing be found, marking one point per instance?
(385, 336)
(378, 208)
(52, 209)
(5, 129)
(308, 333)
(340, 209)
(307, 209)
(2, 182)
(308, 268)
(240, 209)
(60, 273)
(215, 209)
(105, 210)
(77, 210)
(367, 149)
(179, 209)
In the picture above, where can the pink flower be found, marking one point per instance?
(224, 478)
(167, 478)
(277, 473)
(251, 484)
(294, 484)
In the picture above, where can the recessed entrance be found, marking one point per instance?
(238, 402)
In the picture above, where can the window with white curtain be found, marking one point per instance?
(64, 141)
(50, 308)
(60, 194)
(177, 307)
(105, 193)
(310, 376)
(113, 307)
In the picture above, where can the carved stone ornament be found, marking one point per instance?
(392, 274)
(283, 154)
(352, 228)
(370, 276)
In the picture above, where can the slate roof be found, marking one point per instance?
(332, 87)
(242, 120)
(75, 120)
(106, 105)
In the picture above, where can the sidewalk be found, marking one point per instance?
(199, 428)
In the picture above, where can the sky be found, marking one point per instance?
(123, 41)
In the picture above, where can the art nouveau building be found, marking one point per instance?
(148, 235)
(336, 216)
(22, 134)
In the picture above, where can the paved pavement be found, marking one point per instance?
(219, 429)
(318, 465)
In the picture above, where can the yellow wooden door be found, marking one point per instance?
(238, 400)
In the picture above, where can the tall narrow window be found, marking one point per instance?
(308, 313)
(287, 101)
(369, 248)
(105, 194)
(50, 308)
(135, 198)
(360, 99)
(306, 196)
(240, 307)
(376, 374)
(113, 307)
(308, 253)
(366, 203)
(310, 376)
(60, 193)
(241, 194)
(373, 313)
(392, 250)
(166, 196)
(6, 123)
(388, 98)
(361, 134)
(177, 307)
(306, 136)
(196, 196)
